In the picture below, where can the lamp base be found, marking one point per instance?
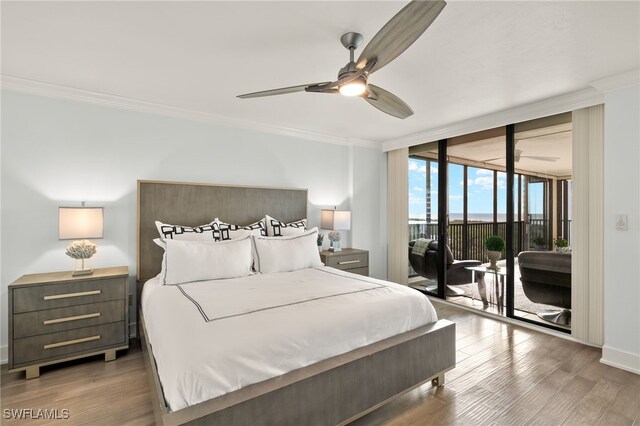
(77, 272)
(83, 267)
(334, 243)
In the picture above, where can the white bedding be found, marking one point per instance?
(213, 337)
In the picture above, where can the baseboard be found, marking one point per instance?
(620, 359)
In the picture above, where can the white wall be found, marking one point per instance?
(369, 228)
(622, 248)
(58, 153)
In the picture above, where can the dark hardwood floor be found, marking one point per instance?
(505, 375)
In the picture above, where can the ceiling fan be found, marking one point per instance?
(518, 155)
(393, 39)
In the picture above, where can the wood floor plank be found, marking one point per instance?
(505, 375)
(594, 404)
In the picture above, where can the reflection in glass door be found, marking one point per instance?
(542, 269)
(423, 217)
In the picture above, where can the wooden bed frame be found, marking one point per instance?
(334, 391)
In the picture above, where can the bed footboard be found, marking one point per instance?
(333, 391)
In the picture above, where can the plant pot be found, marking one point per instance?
(493, 256)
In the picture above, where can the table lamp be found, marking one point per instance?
(336, 221)
(80, 223)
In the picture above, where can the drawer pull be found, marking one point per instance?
(66, 319)
(348, 262)
(67, 295)
(71, 342)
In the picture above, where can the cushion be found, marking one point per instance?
(208, 232)
(283, 254)
(189, 261)
(433, 245)
(276, 228)
(236, 232)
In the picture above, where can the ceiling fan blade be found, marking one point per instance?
(400, 33)
(494, 159)
(388, 102)
(541, 158)
(281, 91)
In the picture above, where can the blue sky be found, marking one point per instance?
(480, 186)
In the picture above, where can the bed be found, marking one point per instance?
(319, 373)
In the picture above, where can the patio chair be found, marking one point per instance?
(423, 257)
(546, 279)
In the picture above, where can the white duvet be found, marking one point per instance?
(213, 337)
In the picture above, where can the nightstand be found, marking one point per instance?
(56, 317)
(349, 259)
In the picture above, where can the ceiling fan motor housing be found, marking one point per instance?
(351, 40)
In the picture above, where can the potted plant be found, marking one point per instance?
(494, 245)
(562, 245)
(320, 238)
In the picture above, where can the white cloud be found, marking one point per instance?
(455, 197)
(485, 182)
(414, 167)
(417, 188)
(413, 200)
(484, 172)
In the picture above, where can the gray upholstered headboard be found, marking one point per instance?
(193, 204)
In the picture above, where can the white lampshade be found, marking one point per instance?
(335, 220)
(80, 222)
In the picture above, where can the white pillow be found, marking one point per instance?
(208, 232)
(236, 232)
(160, 242)
(284, 254)
(275, 228)
(188, 261)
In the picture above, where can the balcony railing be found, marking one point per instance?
(467, 240)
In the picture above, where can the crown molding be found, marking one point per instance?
(41, 88)
(555, 105)
(618, 81)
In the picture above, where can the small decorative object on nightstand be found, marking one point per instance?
(79, 223)
(57, 317)
(335, 220)
(348, 259)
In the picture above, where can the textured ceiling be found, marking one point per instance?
(477, 58)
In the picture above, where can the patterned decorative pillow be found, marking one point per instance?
(236, 232)
(275, 228)
(208, 232)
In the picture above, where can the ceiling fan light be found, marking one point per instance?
(354, 88)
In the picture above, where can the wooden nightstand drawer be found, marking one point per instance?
(53, 320)
(49, 346)
(349, 261)
(39, 297)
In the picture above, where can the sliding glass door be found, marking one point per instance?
(513, 183)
